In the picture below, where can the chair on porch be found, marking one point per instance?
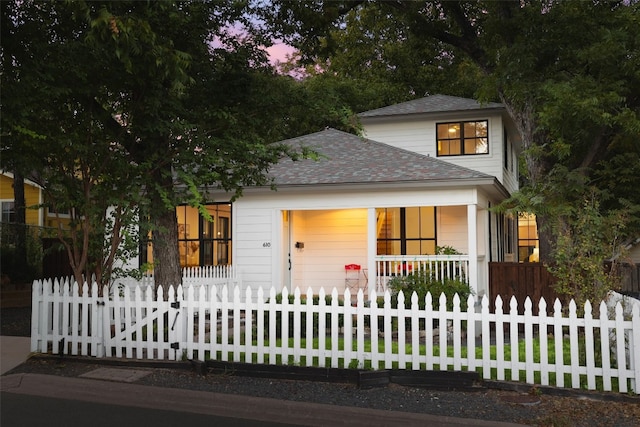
(352, 277)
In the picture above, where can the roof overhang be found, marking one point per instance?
(490, 185)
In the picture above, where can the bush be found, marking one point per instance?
(422, 282)
(12, 267)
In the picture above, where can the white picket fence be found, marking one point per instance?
(212, 275)
(591, 353)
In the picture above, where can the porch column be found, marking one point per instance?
(472, 227)
(372, 242)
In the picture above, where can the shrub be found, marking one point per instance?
(422, 282)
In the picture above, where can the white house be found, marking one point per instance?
(423, 176)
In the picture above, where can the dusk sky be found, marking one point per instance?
(278, 52)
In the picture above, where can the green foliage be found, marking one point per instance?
(586, 237)
(17, 269)
(422, 282)
(447, 250)
(143, 112)
(565, 71)
(14, 268)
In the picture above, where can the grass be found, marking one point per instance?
(354, 363)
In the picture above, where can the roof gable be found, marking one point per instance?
(431, 104)
(350, 159)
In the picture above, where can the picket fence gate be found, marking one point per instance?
(199, 322)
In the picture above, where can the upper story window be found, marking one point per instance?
(463, 138)
(507, 150)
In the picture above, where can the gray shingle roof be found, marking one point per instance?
(350, 159)
(431, 104)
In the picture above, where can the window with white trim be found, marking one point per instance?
(8, 209)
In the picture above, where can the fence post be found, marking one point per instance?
(634, 347)
(528, 340)
(102, 319)
(36, 301)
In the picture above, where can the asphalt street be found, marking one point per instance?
(49, 400)
(19, 410)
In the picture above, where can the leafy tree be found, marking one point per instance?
(586, 238)
(52, 129)
(565, 71)
(143, 111)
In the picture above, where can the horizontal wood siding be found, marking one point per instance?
(253, 244)
(412, 135)
(452, 229)
(420, 136)
(31, 196)
(332, 239)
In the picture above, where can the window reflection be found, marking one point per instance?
(203, 238)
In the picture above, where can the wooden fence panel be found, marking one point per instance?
(630, 274)
(532, 280)
(521, 280)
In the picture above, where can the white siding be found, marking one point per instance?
(419, 135)
(333, 227)
(253, 245)
(332, 239)
(511, 175)
(451, 226)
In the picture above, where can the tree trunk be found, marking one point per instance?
(166, 258)
(545, 239)
(21, 221)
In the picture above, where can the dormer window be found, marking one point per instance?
(463, 138)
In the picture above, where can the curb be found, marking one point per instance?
(433, 380)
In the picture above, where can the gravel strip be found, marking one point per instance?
(485, 404)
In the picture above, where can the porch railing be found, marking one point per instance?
(438, 266)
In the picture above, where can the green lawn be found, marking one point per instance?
(353, 363)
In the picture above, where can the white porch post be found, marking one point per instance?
(371, 251)
(472, 227)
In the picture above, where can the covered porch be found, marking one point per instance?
(365, 248)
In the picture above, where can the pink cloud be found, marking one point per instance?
(278, 52)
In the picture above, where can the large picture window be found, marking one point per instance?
(406, 231)
(463, 138)
(202, 239)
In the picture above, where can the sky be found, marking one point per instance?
(278, 52)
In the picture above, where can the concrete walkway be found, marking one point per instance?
(13, 352)
(220, 405)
